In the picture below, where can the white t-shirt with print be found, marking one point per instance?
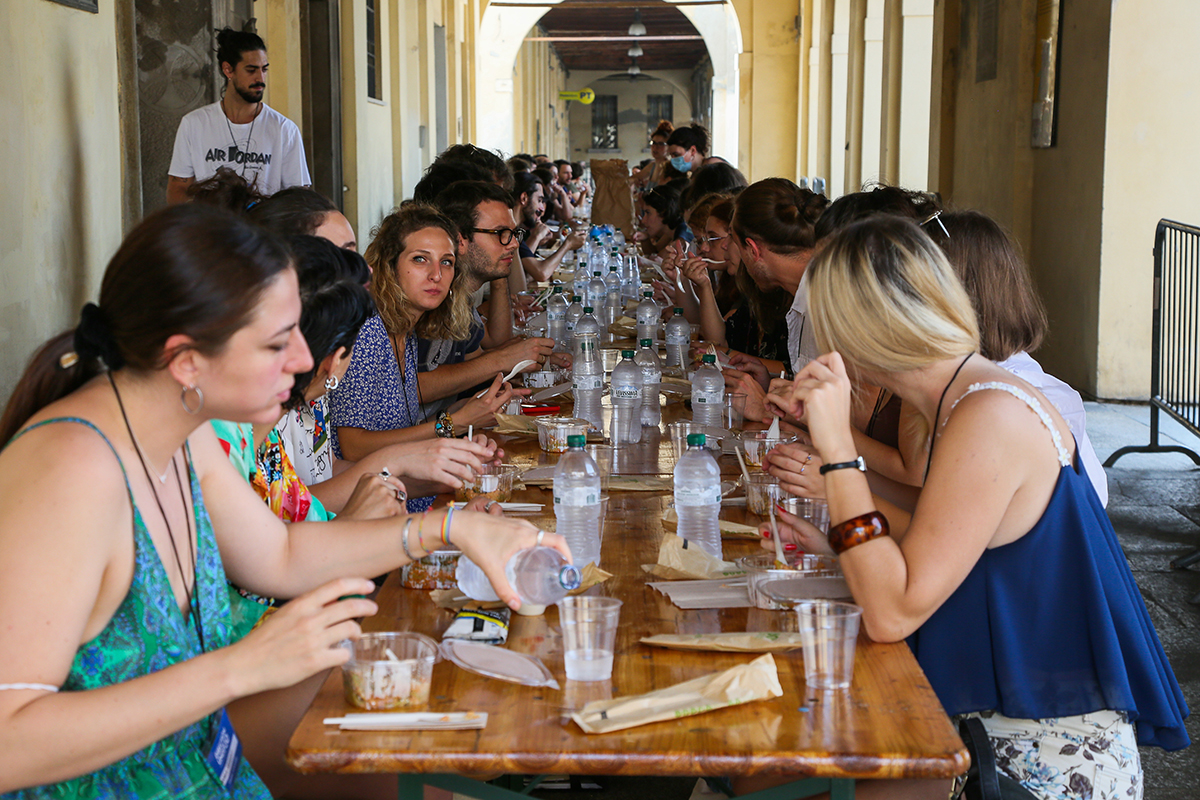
(268, 150)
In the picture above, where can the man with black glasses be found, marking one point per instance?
(487, 247)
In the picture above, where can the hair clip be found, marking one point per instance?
(68, 360)
(937, 215)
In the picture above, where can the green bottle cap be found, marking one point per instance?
(679, 312)
(695, 440)
(646, 342)
(587, 309)
(708, 358)
(626, 354)
(579, 440)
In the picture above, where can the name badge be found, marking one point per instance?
(225, 755)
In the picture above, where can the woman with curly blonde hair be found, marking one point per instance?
(417, 292)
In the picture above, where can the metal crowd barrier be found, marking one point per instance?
(1175, 347)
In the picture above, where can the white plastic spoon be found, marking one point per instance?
(512, 374)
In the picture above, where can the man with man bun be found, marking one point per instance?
(239, 131)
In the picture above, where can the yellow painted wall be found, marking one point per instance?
(279, 25)
(632, 133)
(770, 73)
(538, 77)
(1149, 173)
(60, 211)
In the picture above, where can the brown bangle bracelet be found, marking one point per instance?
(857, 530)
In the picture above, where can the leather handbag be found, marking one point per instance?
(984, 781)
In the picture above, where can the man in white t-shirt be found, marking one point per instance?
(239, 131)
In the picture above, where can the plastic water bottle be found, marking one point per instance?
(612, 285)
(574, 312)
(577, 501)
(556, 320)
(698, 496)
(587, 324)
(540, 575)
(587, 378)
(647, 360)
(679, 336)
(708, 392)
(631, 278)
(648, 316)
(582, 276)
(597, 291)
(626, 392)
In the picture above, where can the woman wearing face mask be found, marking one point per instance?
(687, 148)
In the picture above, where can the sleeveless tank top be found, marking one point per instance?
(148, 633)
(1053, 624)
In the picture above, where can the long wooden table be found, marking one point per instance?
(889, 724)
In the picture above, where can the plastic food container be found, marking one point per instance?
(542, 379)
(389, 671)
(495, 482)
(553, 432)
(762, 489)
(756, 444)
(434, 571)
(820, 573)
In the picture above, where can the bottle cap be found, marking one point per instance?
(646, 342)
(575, 298)
(678, 312)
(569, 578)
(557, 290)
(579, 440)
(647, 294)
(587, 309)
(694, 439)
(626, 354)
(708, 358)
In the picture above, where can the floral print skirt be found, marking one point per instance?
(1088, 757)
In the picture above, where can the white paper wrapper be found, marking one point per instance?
(677, 562)
(758, 680)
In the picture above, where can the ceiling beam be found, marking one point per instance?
(687, 38)
(599, 4)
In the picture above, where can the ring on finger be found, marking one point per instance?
(385, 473)
(488, 505)
(541, 535)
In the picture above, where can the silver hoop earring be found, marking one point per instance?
(183, 398)
(331, 383)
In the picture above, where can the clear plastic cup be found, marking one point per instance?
(821, 574)
(679, 433)
(756, 444)
(828, 635)
(389, 671)
(589, 628)
(495, 481)
(602, 454)
(813, 510)
(733, 411)
(762, 489)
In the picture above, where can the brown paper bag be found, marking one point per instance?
(730, 642)
(758, 680)
(613, 201)
(678, 561)
(515, 424)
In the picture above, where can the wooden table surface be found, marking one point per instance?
(888, 724)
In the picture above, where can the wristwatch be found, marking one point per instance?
(444, 427)
(858, 464)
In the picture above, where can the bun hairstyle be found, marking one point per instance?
(691, 136)
(334, 302)
(227, 190)
(188, 269)
(663, 129)
(231, 44)
(879, 199)
(883, 295)
(779, 215)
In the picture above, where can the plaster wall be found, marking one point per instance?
(60, 212)
(632, 122)
(1150, 166)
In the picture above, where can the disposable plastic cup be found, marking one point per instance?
(733, 412)
(763, 489)
(589, 628)
(813, 510)
(603, 514)
(602, 454)
(757, 444)
(679, 433)
(828, 635)
(389, 671)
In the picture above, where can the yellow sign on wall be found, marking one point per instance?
(585, 96)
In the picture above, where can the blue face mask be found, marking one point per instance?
(680, 163)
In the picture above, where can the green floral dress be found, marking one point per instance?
(146, 634)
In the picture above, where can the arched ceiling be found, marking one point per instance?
(594, 35)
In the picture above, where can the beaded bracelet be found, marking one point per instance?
(446, 525)
(857, 530)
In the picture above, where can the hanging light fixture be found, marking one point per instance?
(634, 70)
(635, 51)
(636, 28)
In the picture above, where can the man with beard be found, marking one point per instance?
(531, 200)
(239, 131)
(487, 247)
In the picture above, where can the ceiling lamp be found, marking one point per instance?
(635, 70)
(635, 51)
(637, 28)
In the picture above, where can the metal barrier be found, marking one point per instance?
(1175, 345)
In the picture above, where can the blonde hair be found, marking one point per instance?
(451, 319)
(883, 295)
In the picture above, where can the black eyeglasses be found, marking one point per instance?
(505, 235)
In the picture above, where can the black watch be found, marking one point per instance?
(857, 464)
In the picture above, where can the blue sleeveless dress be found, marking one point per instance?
(146, 634)
(1053, 624)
